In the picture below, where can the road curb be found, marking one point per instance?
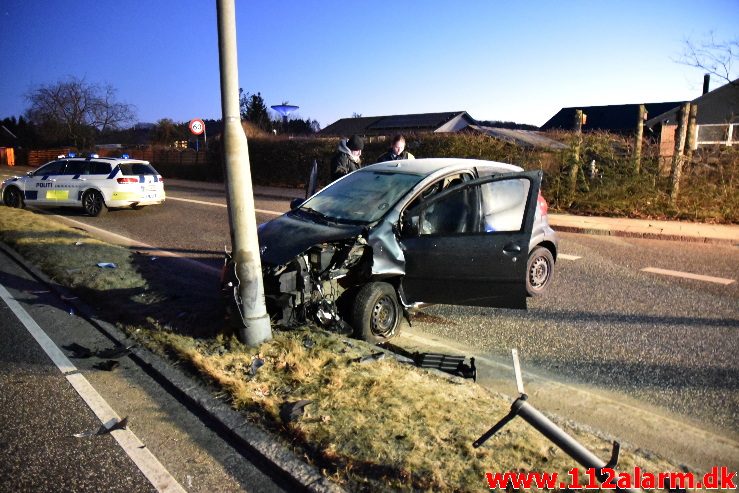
(645, 236)
(231, 421)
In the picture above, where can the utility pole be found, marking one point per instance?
(244, 241)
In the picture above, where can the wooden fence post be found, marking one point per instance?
(639, 137)
(578, 143)
(678, 157)
(692, 133)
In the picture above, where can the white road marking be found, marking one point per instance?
(56, 355)
(568, 257)
(688, 275)
(147, 463)
(203, 202)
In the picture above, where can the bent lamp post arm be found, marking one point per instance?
(546, 427)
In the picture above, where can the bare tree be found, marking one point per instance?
(714, 57)
(75, 110)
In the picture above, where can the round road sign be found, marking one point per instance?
(197, 127)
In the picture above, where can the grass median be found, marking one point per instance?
(369, 424)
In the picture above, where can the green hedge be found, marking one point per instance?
(285, 162)
(709, 188)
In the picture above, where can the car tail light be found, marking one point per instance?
(543, 206)
(128, 180)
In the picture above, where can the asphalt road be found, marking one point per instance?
(659, 344)
(42, 407)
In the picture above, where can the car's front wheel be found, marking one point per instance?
(539, 272)
(376, 312)
(93, 203)
(13, 198)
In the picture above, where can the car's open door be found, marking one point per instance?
(469, 245)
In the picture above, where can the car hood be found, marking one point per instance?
(285, 237)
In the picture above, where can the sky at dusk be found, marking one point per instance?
(496, 59)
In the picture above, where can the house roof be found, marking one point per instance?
(380, 125)
(616, 118)
(718, 106)
(523, 138)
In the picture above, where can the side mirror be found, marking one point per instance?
(295, 203)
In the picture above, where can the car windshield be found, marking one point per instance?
(362, 197)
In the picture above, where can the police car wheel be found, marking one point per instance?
(93, 203)
(13, 198)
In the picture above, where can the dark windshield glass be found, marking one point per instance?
(52, 168)
(363, 196)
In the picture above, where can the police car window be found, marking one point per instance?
(75, 168)
(53, 168)
(137, 169)
(99, 168)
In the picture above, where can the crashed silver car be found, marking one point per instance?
(361, 252)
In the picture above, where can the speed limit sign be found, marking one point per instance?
(197, 127)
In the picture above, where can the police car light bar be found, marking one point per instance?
(125, 156)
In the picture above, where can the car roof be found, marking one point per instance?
(111, 159)
(427, 166)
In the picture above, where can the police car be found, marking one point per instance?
(93, 183)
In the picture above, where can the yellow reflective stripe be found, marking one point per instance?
(57, 194)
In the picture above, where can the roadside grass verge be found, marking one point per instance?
(380, 425)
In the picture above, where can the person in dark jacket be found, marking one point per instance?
(397, 151)
(348, 157)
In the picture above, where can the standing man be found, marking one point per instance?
(397, 151)
(347, 159)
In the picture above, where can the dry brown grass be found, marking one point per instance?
(382, 426)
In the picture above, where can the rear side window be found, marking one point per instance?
(87, 168)
(76, 168)
(98, 168)
(137, 169)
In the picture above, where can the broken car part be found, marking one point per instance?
(546, 427)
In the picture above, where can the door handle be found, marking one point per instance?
(512, 248)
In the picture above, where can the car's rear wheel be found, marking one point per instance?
(13, 198)
(376, 312)
(540, 271)
(93, 203)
